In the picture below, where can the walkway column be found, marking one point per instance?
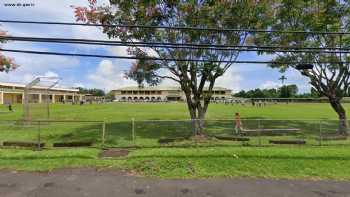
(1, 97)
(23, 98)
(40, 98)
(53, 99)
(65, 98)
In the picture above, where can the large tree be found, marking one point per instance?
(194, 78)
(330, 76)
(6, 63)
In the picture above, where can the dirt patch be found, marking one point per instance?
(72, 144)
(23, 144)
(114, 153)
(287, 142)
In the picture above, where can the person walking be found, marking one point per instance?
(238, 123)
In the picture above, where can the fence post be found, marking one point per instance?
(133, 129)
(103, 134)
(39, 135)
(320, 134)
(259, 132)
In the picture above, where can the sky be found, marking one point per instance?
(106, 74)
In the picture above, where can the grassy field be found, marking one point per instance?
(154, 121)
(206, 159)
(172, 111)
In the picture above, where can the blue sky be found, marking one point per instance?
(106, 74)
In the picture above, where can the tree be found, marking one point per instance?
(330, 76)
(241, 93)
(6, 63)
(288, 91)
(93, 92)
(314, 93)
(193, 77)
(110, 96)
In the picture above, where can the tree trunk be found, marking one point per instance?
(197, 118)
(193, 116)
(343, 127)
(201, 120)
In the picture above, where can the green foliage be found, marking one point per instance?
(110, 96)
(6, 63)
(286, 91)
(329, 78)
(93, 91)
(192, 76)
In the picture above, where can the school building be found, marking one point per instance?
(12, 93)
(158, 93)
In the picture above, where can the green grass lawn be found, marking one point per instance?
(267, 162)
(207, 159)
(172, 111)
(154, 121)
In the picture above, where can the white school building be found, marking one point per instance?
(12, 93)
(165, 93)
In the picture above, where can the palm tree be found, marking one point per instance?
(282, 78)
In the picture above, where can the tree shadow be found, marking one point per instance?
(147, 133)
(20, 158)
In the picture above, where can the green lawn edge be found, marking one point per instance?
(307, 163)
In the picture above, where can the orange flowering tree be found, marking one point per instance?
(195, 78)
(6, 63)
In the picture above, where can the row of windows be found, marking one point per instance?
(216, 92)
(142, 92)
(34, 90)
(159, 92)
(159, 98)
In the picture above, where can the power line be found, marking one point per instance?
(111, 56)
(163, 43)
(174, 27)
(163, 59)
(181, 46)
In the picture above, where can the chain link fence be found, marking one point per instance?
(252, 132)
(170, 133)
(51, 133)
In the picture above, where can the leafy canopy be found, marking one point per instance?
(6, 63)
(330, 75)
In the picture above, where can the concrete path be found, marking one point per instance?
(89, 182)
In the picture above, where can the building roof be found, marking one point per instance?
(153, 88)
(38, 87)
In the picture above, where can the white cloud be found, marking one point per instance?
(79, 84)
(231, 79)
(108, 76)
(51, 74)
(50, 10)
(270, 85)
(118, 51)
(36, 65)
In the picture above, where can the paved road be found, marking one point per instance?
(88, 182)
